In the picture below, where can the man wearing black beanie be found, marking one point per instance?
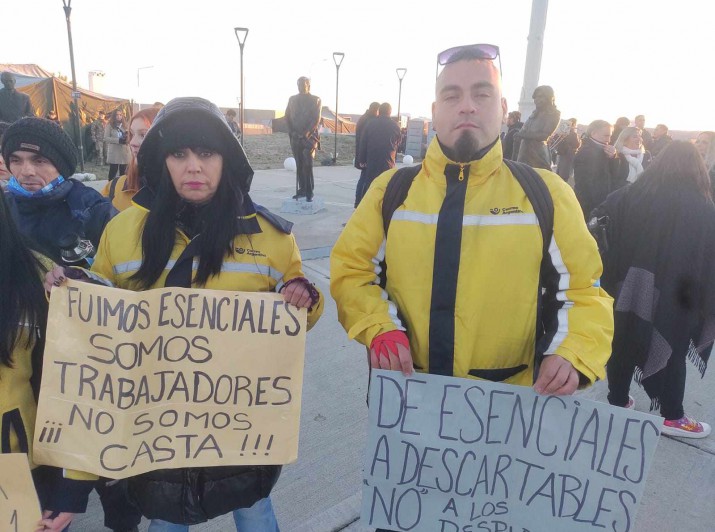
(47, 205)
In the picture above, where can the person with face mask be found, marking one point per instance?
(185, 229)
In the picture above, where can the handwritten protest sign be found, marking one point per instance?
(460, 455)
(172, 377)
(19, 508)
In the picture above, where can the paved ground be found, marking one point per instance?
(320, 492)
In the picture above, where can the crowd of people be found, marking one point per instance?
(498, 269)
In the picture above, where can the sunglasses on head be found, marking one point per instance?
(475, 51)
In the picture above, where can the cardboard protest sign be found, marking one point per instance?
(19, 507)
(460, 455)
(172, 377)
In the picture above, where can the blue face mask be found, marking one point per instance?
(15, 187)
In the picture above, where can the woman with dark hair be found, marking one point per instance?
(194, 225)
(120, 191)
(116, 137)
(23, 319)
(660, 267)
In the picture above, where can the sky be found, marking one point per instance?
(604, 58)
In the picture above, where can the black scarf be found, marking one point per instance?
(660, 268)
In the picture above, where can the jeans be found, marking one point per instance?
(258, 518)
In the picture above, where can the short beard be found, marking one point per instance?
(466, 147)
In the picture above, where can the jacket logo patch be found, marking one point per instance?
(32, 147)
(250, 252)
(506, 210)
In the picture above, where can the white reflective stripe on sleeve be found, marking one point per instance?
(126, 267)
(468, 220)
(391, 307)
(564, 282)
(260, 269)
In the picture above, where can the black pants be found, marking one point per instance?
(303, 151)
(120, 514)
(116, 170)
(620, 373)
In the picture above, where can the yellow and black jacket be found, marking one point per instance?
(463, 256)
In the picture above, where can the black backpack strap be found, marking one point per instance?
(396, 192)
(113, 188)
(540, 198)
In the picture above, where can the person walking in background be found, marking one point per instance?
(196, 198)
(96, 131)
(660, 267)
(660, 139)
(705, 143)
(538, 128)
(116, 138)
(235, 128)
(645, 134)
(369, 115)
(378, 147)
(568, 145)
(302, 119)
(632, 157)
(513, 124)
(621, 123)
(121, 190)
(595, 167)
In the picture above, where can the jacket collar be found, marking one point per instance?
(246, 224)
(436, 162)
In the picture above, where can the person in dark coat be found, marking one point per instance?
(566, 149)
(362, 122)
(659, 265)
(47, 205)
(621, 123)
(538, 128)
(660, 139)
(302, 119)
(378, 147)
(645, 134)
(595, 167)
(514, 124)
(13, 104)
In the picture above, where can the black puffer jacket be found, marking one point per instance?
(595, 176)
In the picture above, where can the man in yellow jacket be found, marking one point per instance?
(463, 254)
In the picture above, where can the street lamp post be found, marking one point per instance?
(400, 75)
(338, 59)
(139, 103)
(241, 34)
(75, 95)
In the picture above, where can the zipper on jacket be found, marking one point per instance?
(461, 172)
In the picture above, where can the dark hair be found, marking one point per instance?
(374, 107)
(516, 115)
(230, 112)
(117, 123)
(623, 121)
(159, 232)
(662, 126)
(678, 163)
(385, 109)
(148, 115)
(21, 290)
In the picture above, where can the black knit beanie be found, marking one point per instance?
(43, 137)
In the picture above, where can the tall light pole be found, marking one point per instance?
(400, 75)
(139, 103)
(241, 34)
(338, 59)
(532, 68)
(75, 95)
